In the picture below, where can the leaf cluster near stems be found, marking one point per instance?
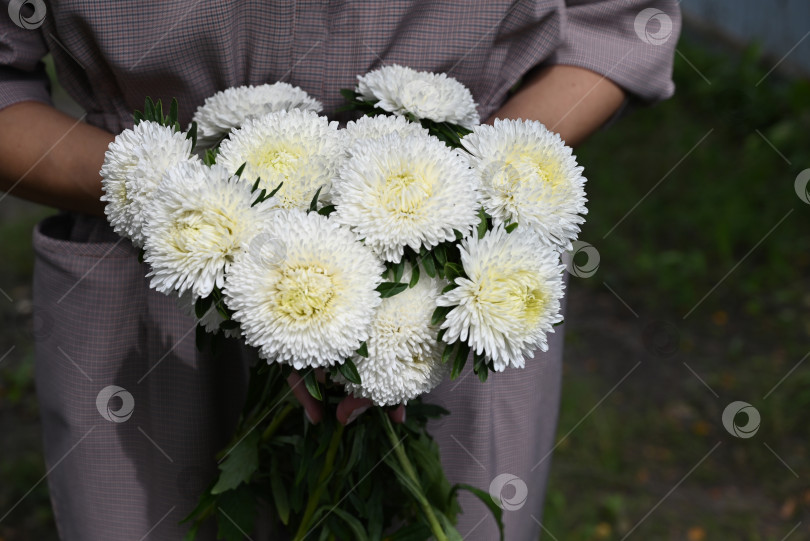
(327, 481)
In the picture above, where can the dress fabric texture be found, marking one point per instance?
(135, 476)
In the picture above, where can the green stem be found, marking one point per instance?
(315, 496)
(407, 467)
(277, 420)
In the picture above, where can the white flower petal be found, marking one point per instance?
(197, 221)
(231, 108)
(405, 191)
(299, 148)
(510, 299)
(437, 97)
(404, 357)
(133, 167)
(529, 177)
(307, 295)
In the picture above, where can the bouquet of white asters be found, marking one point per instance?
(371, 261)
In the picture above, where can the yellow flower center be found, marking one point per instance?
(197, 231)
(523, 168)
(305, 292)
(282, 160)
(516, 297)
(405, 192)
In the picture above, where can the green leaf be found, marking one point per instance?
(414, 276)
(229, 325)
(440, 334)
(191, 534)
(349, 371)
(482, 224)
(449, 529)
(449, 287)
(448, 352)
(389, 289)
(453, 271)
(497, 512)
(311, 383)
(358, 531)
(327, 210)
(159, 112)
(240, 170)
(313, 206)
(440, 253)
(417, 531)
(439, 314)
(363, 350)
(430, 267)
(210, 157)
(275, 190)
(460, 360)
(255, 185)
(280, 499)
(511, 227)
(348, 93)
(149, 109)
(173, 112)
(192, 134)
(137, 117)
(399, 270)
(202, 305)
(236, 512)
(240, 463)
(480, 366)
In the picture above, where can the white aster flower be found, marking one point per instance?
(299, 148)
(230, 108)
(530, 177)
(306, 297)
(399, 90)
(368, 128)
(510, 299)
(405, 191)
(198, 220)
(210, 321)
(133, 167)
(404, 358)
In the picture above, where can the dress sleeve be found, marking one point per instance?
(22, 73)
(631, 42)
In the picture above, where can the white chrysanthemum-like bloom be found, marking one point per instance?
(307, 295)
(510, 298)
(405, 191)
(198, 220)
(399, 90)
(530, 177)
(133, 167)
(376, 127)
(230, 108)
(404, 358)
(299, 148)
(210, 321)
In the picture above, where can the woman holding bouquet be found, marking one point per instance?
(133, 414)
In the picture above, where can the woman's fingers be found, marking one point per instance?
(312, 407)
(397, 415)
(350, 408)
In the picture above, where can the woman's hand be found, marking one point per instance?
(349, 409)
(51, 158)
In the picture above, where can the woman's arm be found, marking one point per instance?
(51, 158)
(569, 100)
